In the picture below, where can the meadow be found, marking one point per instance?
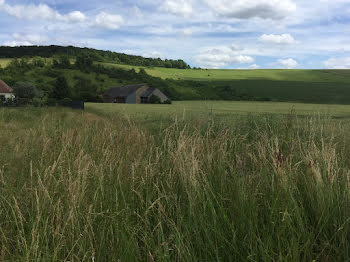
(194, 181)
(300, 75)
(4, 62)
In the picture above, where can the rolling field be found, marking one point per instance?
(301, 75)
(306, 86)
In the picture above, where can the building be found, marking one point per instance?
(133, 94)
(6, 92)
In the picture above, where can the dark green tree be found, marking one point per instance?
(26, 90)
(86, 91)
(61, 89)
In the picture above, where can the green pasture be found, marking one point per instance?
(4, 62)
(223, 108)
(232, 74)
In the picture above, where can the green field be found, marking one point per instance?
(302, 75)
(224, 108)
(193, 181)
(4, 62)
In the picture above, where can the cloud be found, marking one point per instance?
(153, 54)
(245, 9)
(289, 63)
(26, 40)
(221, 56)
(76, 16)
(284, 39)
(177, 7)
(337, 63)
(254, 66)
(108, 21)
(40, 11)
(186, 32)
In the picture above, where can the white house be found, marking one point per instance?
(6, 91)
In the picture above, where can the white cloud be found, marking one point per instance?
(337, 63)
(153, 54)
(76, 16)
(40, 11)
(136, 12)
(221, 56)
(177, 7)
(244, 9)
(186, 32)
(289, 63)
(284, 39)
(254, 66)
(26, 40)
(109, 21)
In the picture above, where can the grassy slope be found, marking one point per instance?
(4, 62)
(81, 187)
(261, 74)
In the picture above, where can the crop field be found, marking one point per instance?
(192, 181)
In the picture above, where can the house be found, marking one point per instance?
(6, 92)
(133, 94)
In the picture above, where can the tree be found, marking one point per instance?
(61, 89)
(84, 63)
(26, 90)
(85, 91)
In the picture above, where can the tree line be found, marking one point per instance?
(95, 55)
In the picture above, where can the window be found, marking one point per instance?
(144, 100)
(120, 100)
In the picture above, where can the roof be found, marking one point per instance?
(123, 91)
(4, 88)
(148, 92)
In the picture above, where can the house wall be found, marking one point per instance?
(131, 99)
(139, 92)
(160, 94)
(107, 99)
(7, 95)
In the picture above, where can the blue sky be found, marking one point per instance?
(205, 33)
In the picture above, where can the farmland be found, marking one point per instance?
(192, 181)
(301, 75)
(224, 108)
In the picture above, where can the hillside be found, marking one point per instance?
(96, 55)
(300, 75)
(309, 86)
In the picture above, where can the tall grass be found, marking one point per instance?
(82, 187)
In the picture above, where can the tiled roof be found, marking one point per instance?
(148, 92)
(123, 91)
(4, 88)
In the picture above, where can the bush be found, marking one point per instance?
(51, 102)
(154, 100)
(168, 102)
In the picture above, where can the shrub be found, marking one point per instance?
(154, 100)
(51, 102)
(168, 102)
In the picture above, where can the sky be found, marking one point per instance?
(243, 34)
